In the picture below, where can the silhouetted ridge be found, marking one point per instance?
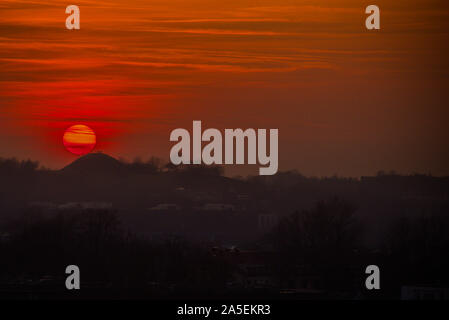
(94, 163)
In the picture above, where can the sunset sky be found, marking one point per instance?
(346, 100)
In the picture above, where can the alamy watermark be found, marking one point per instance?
(234, 139)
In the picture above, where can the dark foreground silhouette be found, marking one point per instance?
(147, 231)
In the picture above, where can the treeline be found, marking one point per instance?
(10, 166)
(107, 255)
(324, 241)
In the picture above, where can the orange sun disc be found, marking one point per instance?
(79, 139)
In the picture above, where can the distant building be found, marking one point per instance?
(256, 270)
(218, 207)
(424, 293)
(243, 197)
(85, 205)
(303, 282)
(4, 237)
(253, 268)
(165, 207)
(256, 276)
(50, 208)
(266, 222)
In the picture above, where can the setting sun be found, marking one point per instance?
(79, 139)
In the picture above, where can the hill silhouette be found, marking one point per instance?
(93, 163)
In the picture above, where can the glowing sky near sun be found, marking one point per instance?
(345, 100)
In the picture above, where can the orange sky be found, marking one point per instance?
(346, 100)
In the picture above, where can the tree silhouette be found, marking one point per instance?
(321, 239)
